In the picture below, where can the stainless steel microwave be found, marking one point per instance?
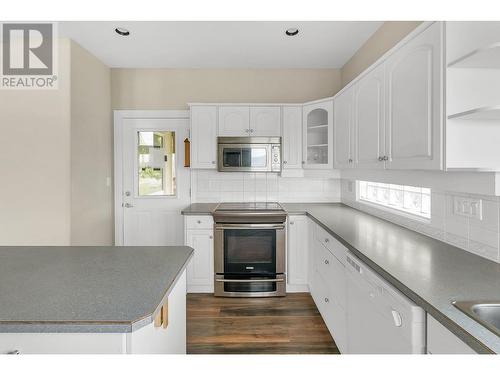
(249, 154)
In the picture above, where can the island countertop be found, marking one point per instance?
(86, 288)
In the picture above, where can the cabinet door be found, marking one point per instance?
(234, 121)
(414, 103)
(369, 120)
(265, 121)
(297, 255)
(292, 137)
(343, 127)
(200, 271)
(203, 137)
(441, 341)
(318, 135)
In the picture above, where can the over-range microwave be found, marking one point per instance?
(249, 154)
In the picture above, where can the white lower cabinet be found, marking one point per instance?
(327, 285)
(441, 341)
(146, 340)
(297, 253)
(200, 236)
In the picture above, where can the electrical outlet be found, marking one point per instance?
(469, 207)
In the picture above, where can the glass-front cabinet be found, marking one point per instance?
(318, 135)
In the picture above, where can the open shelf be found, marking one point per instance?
(317, 127)
(482, 58)
(483, 113)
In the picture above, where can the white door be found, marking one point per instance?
(414, 103)
(265, 121)
(343, 129)
(200, 269)
(297, 254)
(234, 121)
(292, 137)
(154, 180)
(369, 149)
(204, 137)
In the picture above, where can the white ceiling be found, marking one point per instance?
(221, 44)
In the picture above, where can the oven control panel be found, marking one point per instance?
(275, 158)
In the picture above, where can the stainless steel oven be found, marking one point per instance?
(249, 154)
(249, 252)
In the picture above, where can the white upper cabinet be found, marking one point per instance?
(234, 121)
(292, 137)
(414, 103)
(204, 137)
(318, 135)
(344, 129)
(265, 121)
(369, 120)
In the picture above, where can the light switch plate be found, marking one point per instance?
(468, 207)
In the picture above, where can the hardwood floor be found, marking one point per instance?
(281, 325)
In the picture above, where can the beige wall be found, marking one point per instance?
(91, 150)
(35, 162)
(174, 88)
(386, 37)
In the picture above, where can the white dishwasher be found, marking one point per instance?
(380, 320)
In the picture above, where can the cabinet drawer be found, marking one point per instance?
(334, 246)
(333, 273)
(199, 222)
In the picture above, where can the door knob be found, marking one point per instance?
(326, 261)
(327, 300)
(380, 158)
(386, 158)
(128, 205)
(127, 193)
(327, 240)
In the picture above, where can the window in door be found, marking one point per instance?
(156, 163)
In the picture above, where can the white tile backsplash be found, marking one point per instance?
(213, 186)
(480, 237)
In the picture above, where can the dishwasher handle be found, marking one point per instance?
(396, 316)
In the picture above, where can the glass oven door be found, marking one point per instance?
(250, 251)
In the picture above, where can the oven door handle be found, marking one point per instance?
(249, 226)
(249, 281)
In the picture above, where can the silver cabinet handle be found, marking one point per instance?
(327, 240)
(14, 352)
(211, 237)
(386, 158)
(350, 160)
(127, 193)
(198, 221)
(128, 205)
(380, 158)
(326, 261)
(292, 222)
(284, 162)
(303, 162)
(251, 130)
(213, 162)
(247, 130)
(327, 300)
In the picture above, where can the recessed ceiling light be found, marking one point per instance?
(292, 31)
(121, 31)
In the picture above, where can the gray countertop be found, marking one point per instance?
(430, 272)
(86, 289)
(200, 209)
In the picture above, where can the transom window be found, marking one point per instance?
(409, 199)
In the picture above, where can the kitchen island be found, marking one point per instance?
(95, 299)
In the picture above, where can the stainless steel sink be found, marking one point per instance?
(486, 313)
